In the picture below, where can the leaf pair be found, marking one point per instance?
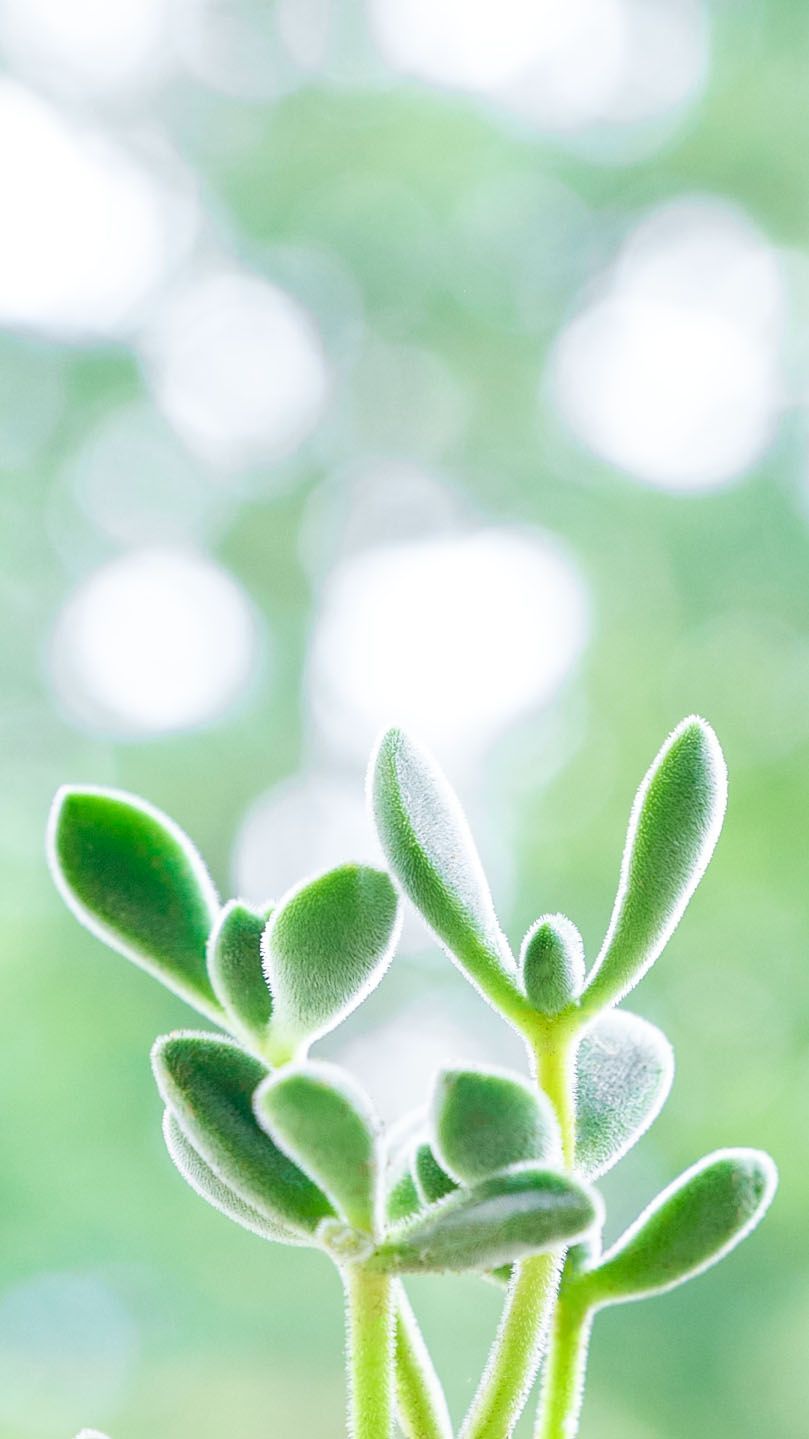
(673, 829)
(693, 1224)
(278, 977)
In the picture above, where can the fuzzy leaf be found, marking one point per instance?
(431, 1179)
(210, 1187)
(689, 1227)
(324, 1122)
(326, 946)
(428, 845)
(403, 1199)
(624, 1071)
(552, 963)
(135, 880)
(673, 828)
(235, 969)
(485, 1120)
(208, 1084)
(502, 1219)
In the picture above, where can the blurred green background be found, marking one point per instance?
(435, 363)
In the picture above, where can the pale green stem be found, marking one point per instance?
(563, 1378)
(555, 1064)
(369, 1314)
(516, 1352)
(420, 1403)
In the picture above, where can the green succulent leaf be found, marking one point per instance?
(485, 1120)
(624, 1072)
(403, 1199)
(673, 828)
(235, 968)
(208, 1084)
(136, 881)
(428, 845)
(210, 1187)
(552, 964)
(689, 1227)
(500, 1220)
(324, 1122)
(326, 946)
(431, 1179)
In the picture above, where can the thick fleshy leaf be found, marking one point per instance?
(552, 963)
(689, 1227)
(326, 946)
(485, 1120)
(403, 1200)
(503, 1219)
(208, 1084)
(133, 878)
(430, 849)
(673, 828)
(624, 1071)
(210, 1187)
(324, 1122)
(431, 1179)
(235, 967)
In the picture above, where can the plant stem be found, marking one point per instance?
(517, 1350)
(420, 1402)
(555, 1072)
(369, 1312)
(563, 1379)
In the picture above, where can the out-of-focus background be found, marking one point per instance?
(427, 361)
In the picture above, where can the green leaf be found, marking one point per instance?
(235, 968)
(485, 1121)
(208, 1084)
(689, 1227)
(403, 1200)
(673, 828)
(135, 880)
(210, 1187)
(324, 1122)
(431, 1179)
(624, 1071)
(428, 845)
(502, 1219)
(326, 946)
(552, 963)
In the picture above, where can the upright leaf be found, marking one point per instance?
(235, 968)
(324, 1122)
(552, 963)
(689, 1227)
(135, 880)
(326, 946)
(211, 1188)
(502, 1219)
(431, 1179)
(486, 1121)
(624, 1071)
(208, 1084)
(429, 848)
(673, 828)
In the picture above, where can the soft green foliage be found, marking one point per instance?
(325, 1123)
(133, 878)
(430, 849)
(673, 828)
(326, 946)
(495, 1179)
(208, 1084)
(552, 963)
(235, 968)
(624, 1071)
(485, 1121)
(500, 1220)
(690, 1226)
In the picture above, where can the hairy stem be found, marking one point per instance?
(563, 1379)
(369, 1313)
(420, 1403)
(555, 1064)
(516, 1352)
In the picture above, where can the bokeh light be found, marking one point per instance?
(154, 641)
(87, 46)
